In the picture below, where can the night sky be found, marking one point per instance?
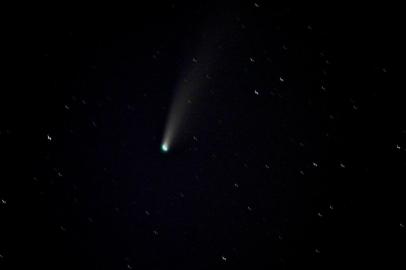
(287, 145)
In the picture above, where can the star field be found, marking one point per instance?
(287, 145)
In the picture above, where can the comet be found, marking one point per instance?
(164, 147)
(188, 112)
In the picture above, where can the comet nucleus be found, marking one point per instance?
(164, 147)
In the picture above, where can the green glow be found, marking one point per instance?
(165, 147)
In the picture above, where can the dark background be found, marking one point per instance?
(306, 173)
